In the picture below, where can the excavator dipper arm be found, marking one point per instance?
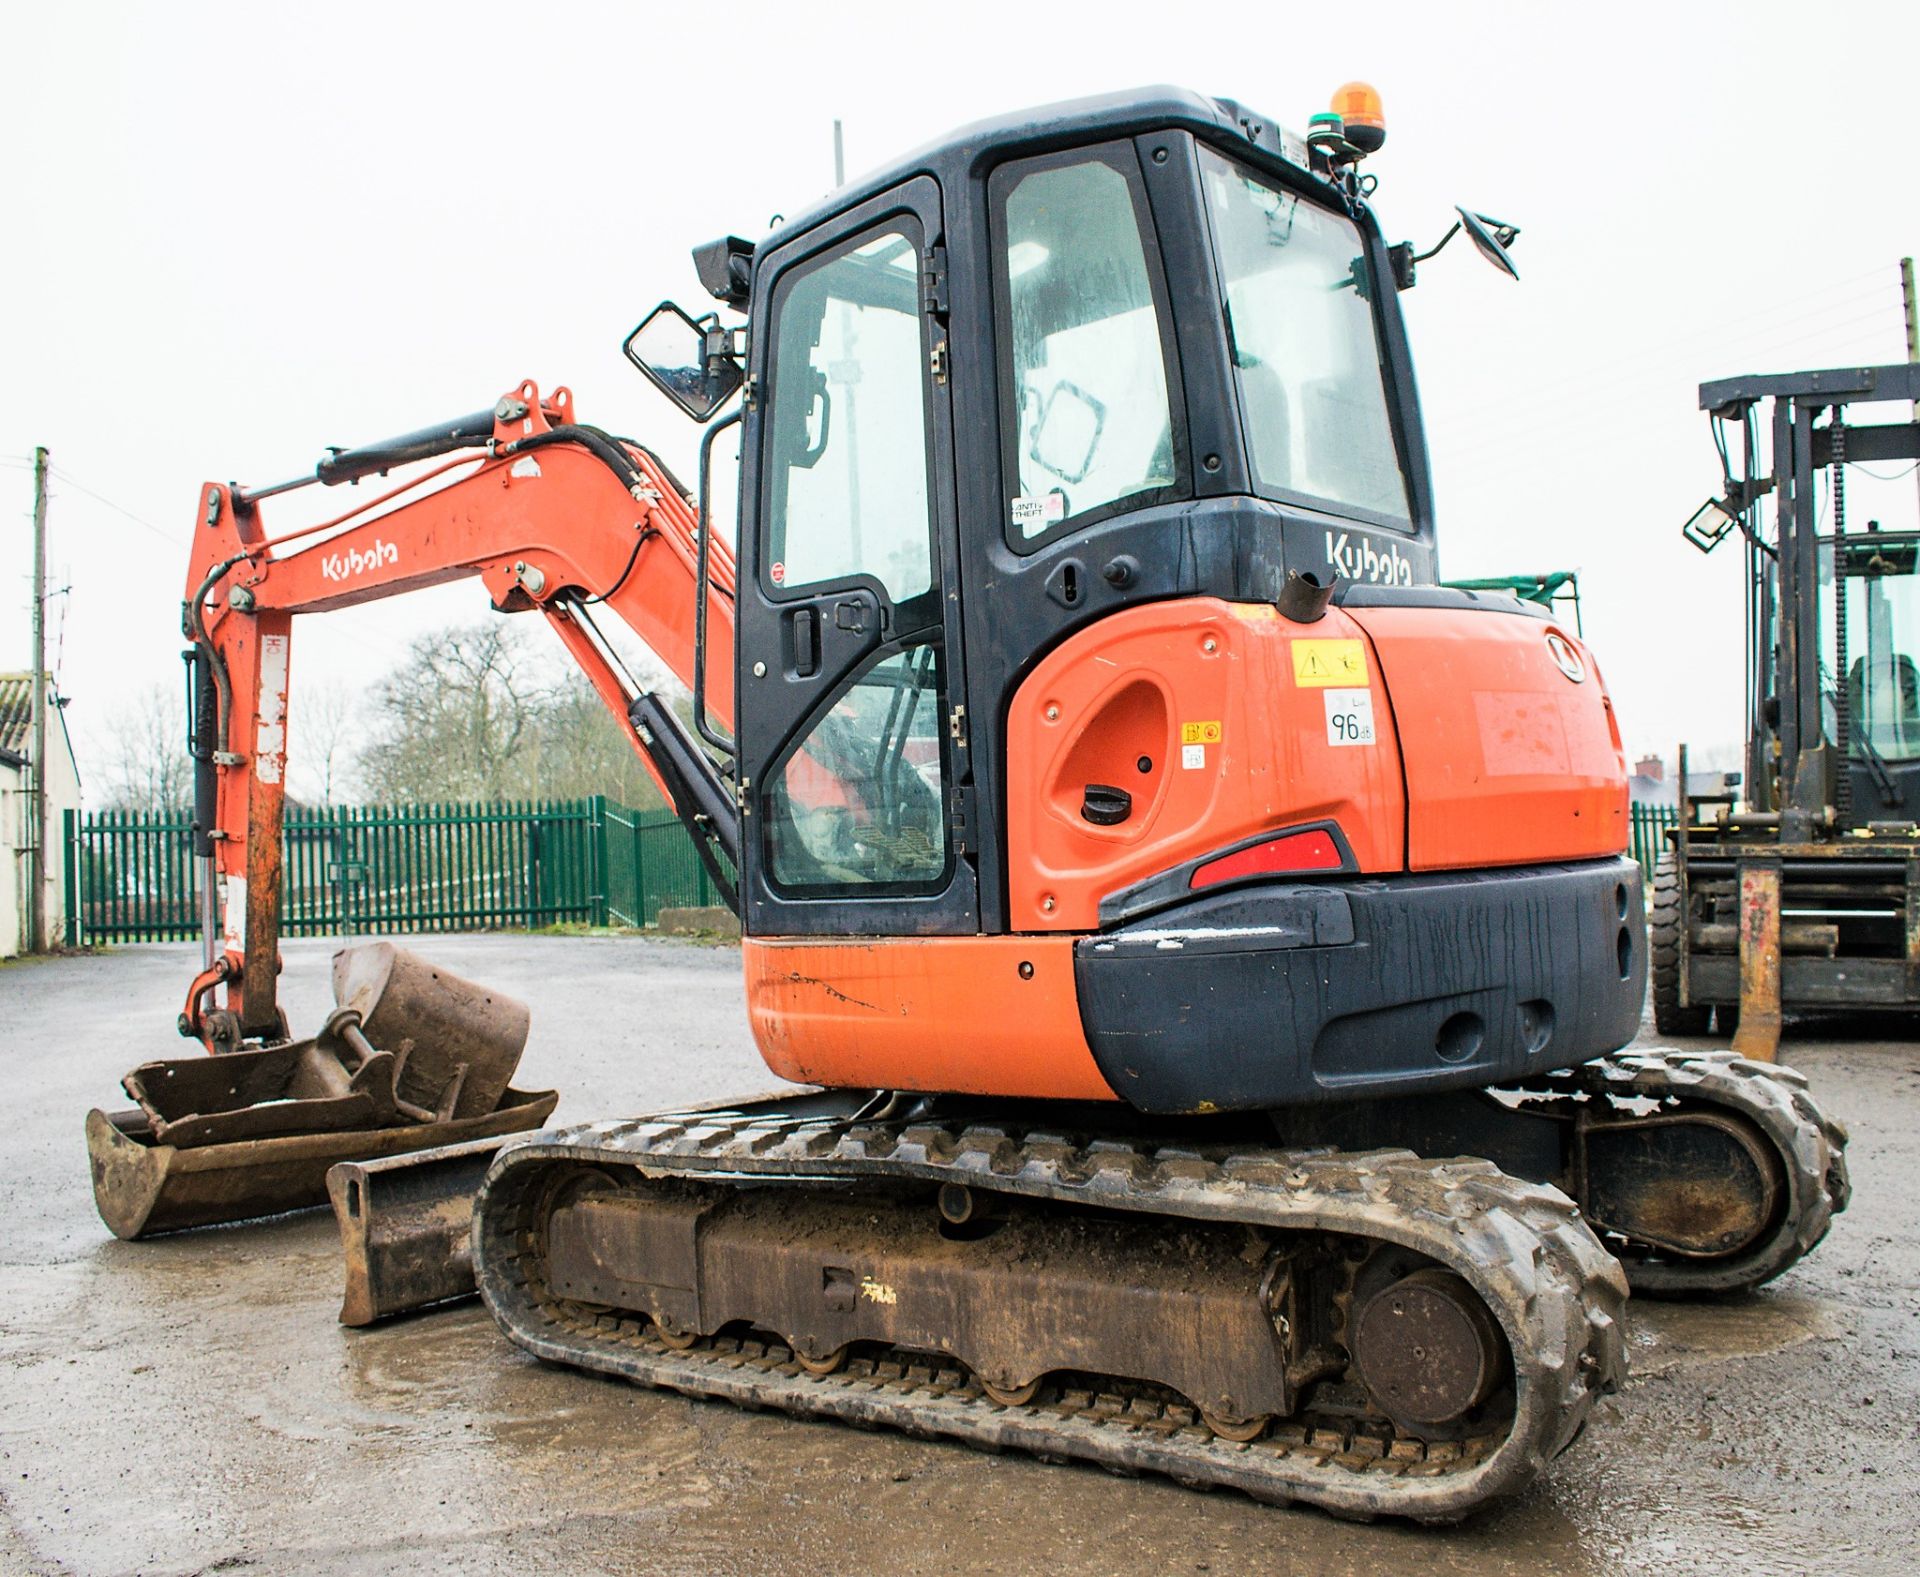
(549, 515)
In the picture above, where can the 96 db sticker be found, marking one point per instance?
(1349, 717)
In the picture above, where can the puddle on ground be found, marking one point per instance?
(1666, 1336)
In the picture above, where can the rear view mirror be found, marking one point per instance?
(689, 362)
(1492, 237)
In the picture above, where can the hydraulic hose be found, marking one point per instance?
(602, 446)
(196, 631)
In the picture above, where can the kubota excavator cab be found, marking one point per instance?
(1090, 652)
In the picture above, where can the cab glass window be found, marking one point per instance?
(860, 803)
(847, 423)
(1093, 424)
(1882, 677)
(1305, 350)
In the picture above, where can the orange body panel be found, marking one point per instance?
(1206, 692)
(923, 1013)
(1508, 760)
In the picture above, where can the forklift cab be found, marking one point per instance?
(1877, 604)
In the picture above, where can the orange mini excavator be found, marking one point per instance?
(1160, 879)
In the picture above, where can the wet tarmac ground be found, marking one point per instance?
(190, 1404)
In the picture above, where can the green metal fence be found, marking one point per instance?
(453, 867)
(1648, 835)
(651, 865)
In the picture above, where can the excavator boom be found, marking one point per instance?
(548, 514)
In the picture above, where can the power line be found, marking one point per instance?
(1508, 437)
(1690, 347)
(139, 520)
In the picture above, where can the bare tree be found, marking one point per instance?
(470, 714)
(453, 721)
(142, 753)
(325, 728)
(473, 714)
(580, 748)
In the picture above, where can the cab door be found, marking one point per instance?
(855, 779)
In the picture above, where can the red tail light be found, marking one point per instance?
(1310, 850)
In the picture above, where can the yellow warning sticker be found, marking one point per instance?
(1324, 663)
(1199, 733)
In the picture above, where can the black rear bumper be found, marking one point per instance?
(1281, 994)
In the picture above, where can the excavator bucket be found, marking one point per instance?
(414, 1058)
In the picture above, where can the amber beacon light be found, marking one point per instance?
(1358, 106)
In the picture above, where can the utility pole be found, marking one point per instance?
(37, 887)
(1913, 329)
(840, 179)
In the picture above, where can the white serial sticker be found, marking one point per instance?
(1193, 757)
(270, 729)
(1034, 515)
(1349, 717)
(234, 917)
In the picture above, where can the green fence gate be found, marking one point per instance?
(651, 865)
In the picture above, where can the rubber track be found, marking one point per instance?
(1811, 1145)
(1557, 1293)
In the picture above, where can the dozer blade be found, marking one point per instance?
(406, 1224)
(144, 1188)
(406, 1228)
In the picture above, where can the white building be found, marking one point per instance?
(16, 812)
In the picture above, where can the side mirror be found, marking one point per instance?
(689, 362)
(1491, 237)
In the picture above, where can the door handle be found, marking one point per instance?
(803, 643)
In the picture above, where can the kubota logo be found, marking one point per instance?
(343, 566)
(1361, 560)
(1565, 658)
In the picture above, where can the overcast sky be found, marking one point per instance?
(240, 233)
